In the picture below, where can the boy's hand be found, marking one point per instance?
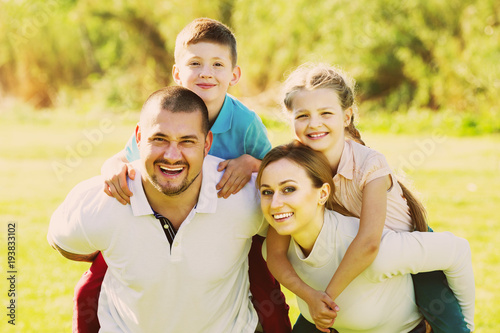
(238, 173)
(115, 172)
(323, 310)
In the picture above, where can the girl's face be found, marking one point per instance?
(319, 120)
(289, 200)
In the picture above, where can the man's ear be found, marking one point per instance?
(348, 116)
(236, 75)
(208, 142)
(138, 135)
(176, 75)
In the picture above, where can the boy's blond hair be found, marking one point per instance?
(206, 30)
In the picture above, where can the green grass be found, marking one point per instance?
(456, 177)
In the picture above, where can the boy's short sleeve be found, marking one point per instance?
(256, 142)
(132, 149)
(375, 166)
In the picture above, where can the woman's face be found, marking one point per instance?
(289, 200)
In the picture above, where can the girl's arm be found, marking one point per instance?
(365, 246)
(321, 307)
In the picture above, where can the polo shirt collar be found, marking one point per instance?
(207, 199)
(223, 121)
(139, 202)
(346, 164)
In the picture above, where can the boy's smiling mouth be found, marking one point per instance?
(205, 85)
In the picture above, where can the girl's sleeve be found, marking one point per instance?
(375, 166)
(416, 252)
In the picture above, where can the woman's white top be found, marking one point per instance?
(382, 299)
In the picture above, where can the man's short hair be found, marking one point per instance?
(206, 30)
(178, 99)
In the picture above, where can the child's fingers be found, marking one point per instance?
(123, 199)
(225, 177)
(131, 173)
(324, 328)
(242, 182)
(223, 165)
(106, 189)
(123, 186)
(232, 186)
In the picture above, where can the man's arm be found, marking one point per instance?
(72, 256)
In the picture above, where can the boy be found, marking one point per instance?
(205, 62)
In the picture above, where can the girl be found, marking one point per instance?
(321, 101)
(295, 184)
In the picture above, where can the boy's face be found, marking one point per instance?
(206, 69)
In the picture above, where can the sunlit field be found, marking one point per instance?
(43, 155)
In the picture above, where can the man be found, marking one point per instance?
(177, 255)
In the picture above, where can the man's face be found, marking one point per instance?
(172, 147)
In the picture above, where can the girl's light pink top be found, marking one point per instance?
(358, 166)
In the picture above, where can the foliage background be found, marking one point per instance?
(425, 55)
(428, 77)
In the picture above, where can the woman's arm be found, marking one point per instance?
(321, 307)
(415, 252)
(365, 246)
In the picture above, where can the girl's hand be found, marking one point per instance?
(323, 310)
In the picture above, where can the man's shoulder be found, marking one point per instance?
(88, 197)
(90, 186)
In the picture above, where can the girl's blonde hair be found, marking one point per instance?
(314, 76)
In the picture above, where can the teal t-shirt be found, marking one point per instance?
(237, 131)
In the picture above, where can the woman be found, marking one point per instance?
(295, 183)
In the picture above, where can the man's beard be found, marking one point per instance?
(170, 190)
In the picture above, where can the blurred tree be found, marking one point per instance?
(408, 54)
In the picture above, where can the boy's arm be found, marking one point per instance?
(115, 171)
(238, 173)
(364, 248)
(321, 307)
(254, 146)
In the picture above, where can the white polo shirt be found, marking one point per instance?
(382, 299)
(200, 285)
